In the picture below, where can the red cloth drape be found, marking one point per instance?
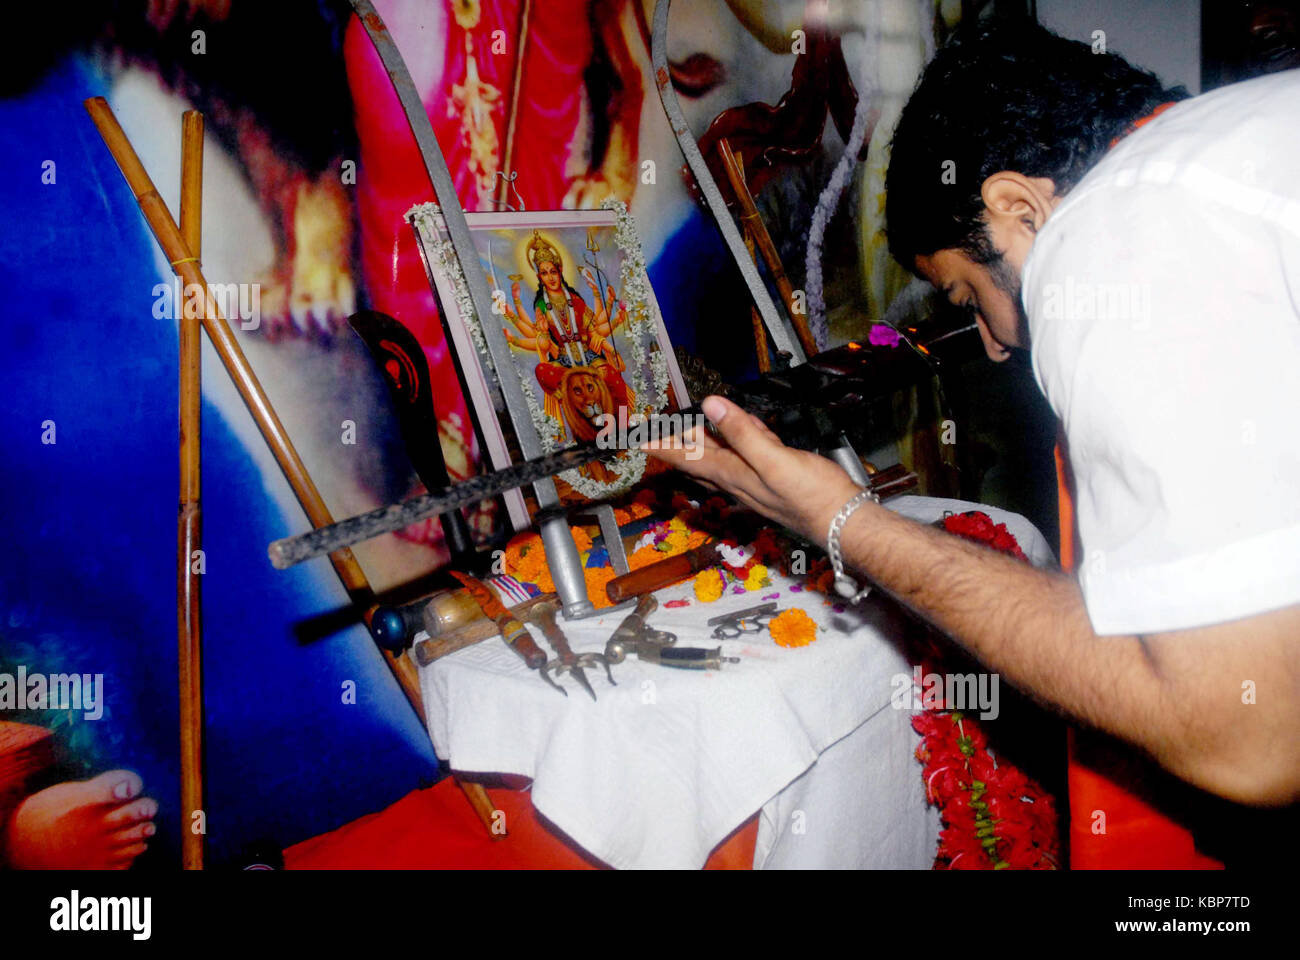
(437, 829)
(1106, 778)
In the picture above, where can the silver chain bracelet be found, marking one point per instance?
(845, 585)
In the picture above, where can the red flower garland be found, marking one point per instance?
(980, 527)
(994, 816)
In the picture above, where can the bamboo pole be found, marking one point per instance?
(755, 318)
(190, 515)
(508, 155)
(752, 220)
(232, 357)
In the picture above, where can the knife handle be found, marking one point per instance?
(519, 640)
(651, 578)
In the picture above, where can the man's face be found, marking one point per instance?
(990, 292)
(1015, 209)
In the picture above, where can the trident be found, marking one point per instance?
(593, 247)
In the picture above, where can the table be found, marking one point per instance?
(663, 766)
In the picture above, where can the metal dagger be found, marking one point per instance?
(514, 633)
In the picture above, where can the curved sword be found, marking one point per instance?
(444, 189)
(562, 553)
(777, 325)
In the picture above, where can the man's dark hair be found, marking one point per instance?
(1003, 94)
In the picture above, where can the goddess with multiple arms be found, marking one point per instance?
(578, 366)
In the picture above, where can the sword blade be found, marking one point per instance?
(289, 551)
(777, 326)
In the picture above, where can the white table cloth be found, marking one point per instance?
(667, 763)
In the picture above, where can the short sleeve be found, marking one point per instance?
(1165, 331)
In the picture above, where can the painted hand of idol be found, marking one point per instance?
(797, 489)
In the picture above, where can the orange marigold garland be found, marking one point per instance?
(596, 578)
(526, 560)
(581, 538)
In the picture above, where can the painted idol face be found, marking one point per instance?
(549, 274)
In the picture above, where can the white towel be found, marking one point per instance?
(667, 763)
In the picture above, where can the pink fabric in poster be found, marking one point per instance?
(391, 176)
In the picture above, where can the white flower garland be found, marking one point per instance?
(630, 467)
(424, 217)
(826, 204)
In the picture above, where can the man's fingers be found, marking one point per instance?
(767, 431)
(704, 458)
(743, 432)
(676, 445)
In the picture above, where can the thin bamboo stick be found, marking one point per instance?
(754, 222)
(755, 318)
(190, 515)
(508, 155)
(232, 357)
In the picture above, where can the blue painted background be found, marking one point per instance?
(88, 581)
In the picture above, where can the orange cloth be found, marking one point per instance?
(437, 829)
(1105, 775)
(1143, 121)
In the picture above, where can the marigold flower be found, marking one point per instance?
(708, 585)
(643, 557)
(793, 628)
(596, 578)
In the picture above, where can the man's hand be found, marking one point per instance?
(797, 489)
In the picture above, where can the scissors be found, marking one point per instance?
(750, 620)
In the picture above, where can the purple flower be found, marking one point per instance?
(882, 335)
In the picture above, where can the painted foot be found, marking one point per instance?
(98, 824)
(313, 291)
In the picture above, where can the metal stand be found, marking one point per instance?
(562, 554)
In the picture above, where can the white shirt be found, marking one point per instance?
(1163, 297)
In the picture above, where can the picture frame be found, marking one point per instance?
(570, 290)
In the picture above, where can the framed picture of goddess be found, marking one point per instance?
(587, 341)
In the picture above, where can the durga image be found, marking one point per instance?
(578, 368)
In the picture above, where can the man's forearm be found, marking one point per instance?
(1177, 695)
(1028, 625)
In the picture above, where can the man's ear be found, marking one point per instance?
(1013, 201)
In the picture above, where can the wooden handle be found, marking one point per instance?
(661, 574)
(474, 631)
(892, 488)
(751, 218)
(521, 642)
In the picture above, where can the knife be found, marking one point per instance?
(514, 633)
